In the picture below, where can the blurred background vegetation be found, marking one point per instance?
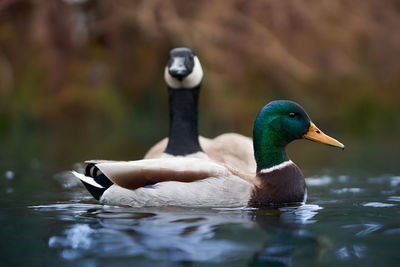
(84, 78)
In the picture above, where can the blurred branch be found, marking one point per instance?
(6, 75)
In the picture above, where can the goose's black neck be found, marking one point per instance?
(183, 132)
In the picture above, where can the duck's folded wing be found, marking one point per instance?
(97, 161)
(135, 174)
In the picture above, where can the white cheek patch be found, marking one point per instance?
(190, 81)
(171, 81)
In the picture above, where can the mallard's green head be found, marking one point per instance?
(278, 124)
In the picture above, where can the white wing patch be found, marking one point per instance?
(88, 180)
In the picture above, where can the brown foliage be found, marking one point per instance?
(71, 52)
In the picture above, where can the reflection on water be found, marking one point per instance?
(357, 251)
(301, 215)
(181, 234)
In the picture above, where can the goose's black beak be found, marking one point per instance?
(178, 73)
(177, 68)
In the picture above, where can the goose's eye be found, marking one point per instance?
(189, 62)
(292, 115)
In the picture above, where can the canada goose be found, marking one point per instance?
(183, 75)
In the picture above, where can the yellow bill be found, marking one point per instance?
(315, 134)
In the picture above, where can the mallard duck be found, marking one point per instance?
(197, 182)
(183, 75)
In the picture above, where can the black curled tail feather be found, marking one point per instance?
(91, 170)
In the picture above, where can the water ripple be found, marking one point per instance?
(392, 231)
(394, 198)
(370, 228)
(378, 204)
(347, 190)
(180, 234)
(320, 181)
(356, 250)
(343, 253)
(302, 214)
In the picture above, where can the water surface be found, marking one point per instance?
(352, 217)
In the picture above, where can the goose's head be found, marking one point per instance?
(183, 70)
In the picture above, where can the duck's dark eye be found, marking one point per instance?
(292, 115)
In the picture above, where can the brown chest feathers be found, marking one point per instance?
(279, 187)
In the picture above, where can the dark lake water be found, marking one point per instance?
(352, 216)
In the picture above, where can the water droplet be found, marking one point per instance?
(9, 175)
